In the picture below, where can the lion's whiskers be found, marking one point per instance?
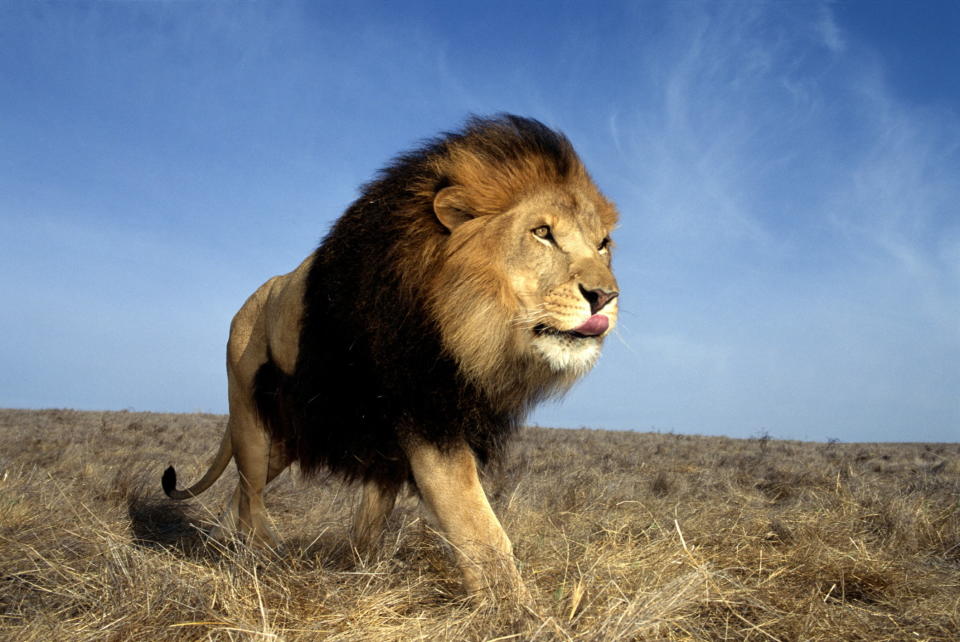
(531, 319)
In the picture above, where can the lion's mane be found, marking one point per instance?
(404, 337)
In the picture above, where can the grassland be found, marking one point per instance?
(620, 536)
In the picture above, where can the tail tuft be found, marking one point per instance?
(169, 481)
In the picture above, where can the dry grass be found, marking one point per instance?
(619, 536)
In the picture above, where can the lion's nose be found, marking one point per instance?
(597, 298)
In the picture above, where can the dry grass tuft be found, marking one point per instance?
(619, 536)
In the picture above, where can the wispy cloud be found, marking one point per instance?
(829, 32)
(797, 231)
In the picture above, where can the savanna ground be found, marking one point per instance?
(619, 536)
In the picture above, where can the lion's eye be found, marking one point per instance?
(604, 246)
(543, 232)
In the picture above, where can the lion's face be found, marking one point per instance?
(534, 282)
(557, 258)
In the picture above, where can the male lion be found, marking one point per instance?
(469, 281)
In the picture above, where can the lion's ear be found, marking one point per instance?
(451, 208)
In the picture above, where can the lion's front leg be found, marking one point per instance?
(450, 486)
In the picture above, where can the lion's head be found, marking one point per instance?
(525, 284)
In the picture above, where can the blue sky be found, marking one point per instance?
(788, 175)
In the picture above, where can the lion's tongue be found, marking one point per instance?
(597, 324)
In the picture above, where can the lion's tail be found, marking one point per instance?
(220, 461)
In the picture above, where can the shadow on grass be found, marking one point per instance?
(328, 551)
(161, 523)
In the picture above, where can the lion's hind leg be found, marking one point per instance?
(376, 503)
(259, 460)
(229, 520)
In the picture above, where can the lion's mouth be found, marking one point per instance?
(591, 328)
(542, 330)
(547, 331)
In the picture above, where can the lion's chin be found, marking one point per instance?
(567, 352)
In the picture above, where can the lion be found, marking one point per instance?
(469, 281)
